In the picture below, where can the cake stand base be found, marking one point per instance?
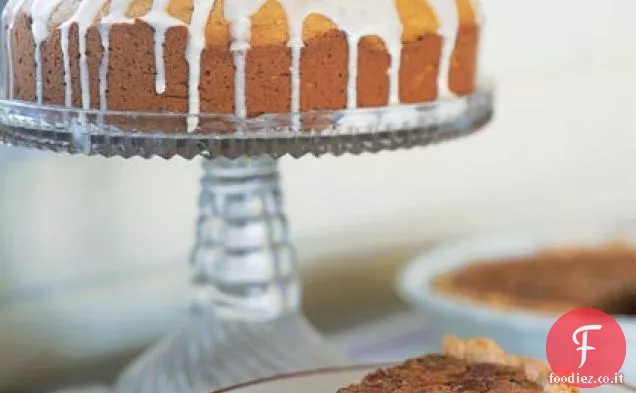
(246, 322)
(209, 353)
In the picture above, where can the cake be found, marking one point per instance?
(554, 281)
(470, 366)
(242, 57)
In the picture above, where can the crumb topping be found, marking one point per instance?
(445, 374)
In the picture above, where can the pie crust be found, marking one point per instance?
(482, 350)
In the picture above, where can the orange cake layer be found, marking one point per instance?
(129, 80)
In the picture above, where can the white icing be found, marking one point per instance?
(240, 67)
(238, 13)
(83, 17)
(448, 17)
(395, 51)
(196, 44)
(296, 52)
(478, 11)
(356, 18)
(104, 34)
(353, 41)
(295, 21)
(10, 12)
(160, 21)
(68, 87)
(41, 11)
(116, 15)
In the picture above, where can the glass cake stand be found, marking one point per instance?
(245, 321)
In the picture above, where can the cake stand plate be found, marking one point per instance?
(130, 134)
(246, 321)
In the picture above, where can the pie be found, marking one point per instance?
(466, 366)
(552, 281)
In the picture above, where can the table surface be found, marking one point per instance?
(87, 330)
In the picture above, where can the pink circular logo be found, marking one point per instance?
(586, 348)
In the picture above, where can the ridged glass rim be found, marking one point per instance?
(146, 134)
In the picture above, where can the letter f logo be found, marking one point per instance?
(584, 348)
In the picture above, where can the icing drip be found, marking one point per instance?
(64, 43)
(104, 34)
(161, 21)
(357, 19)
(295, 32)
(296, 50)
(39, 89)
(41, 11)
(395, 51)
(196, 44)
(448, 17)
(239, 84)
(84, 16)
(116, 14)
(352, 85)
(11, 14)
(238, 13)
(478, 10)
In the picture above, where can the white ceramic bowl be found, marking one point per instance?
(329, 381)
(521, 332)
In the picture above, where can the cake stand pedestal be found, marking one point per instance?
(245, 321)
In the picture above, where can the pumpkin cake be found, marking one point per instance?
(242, 57)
